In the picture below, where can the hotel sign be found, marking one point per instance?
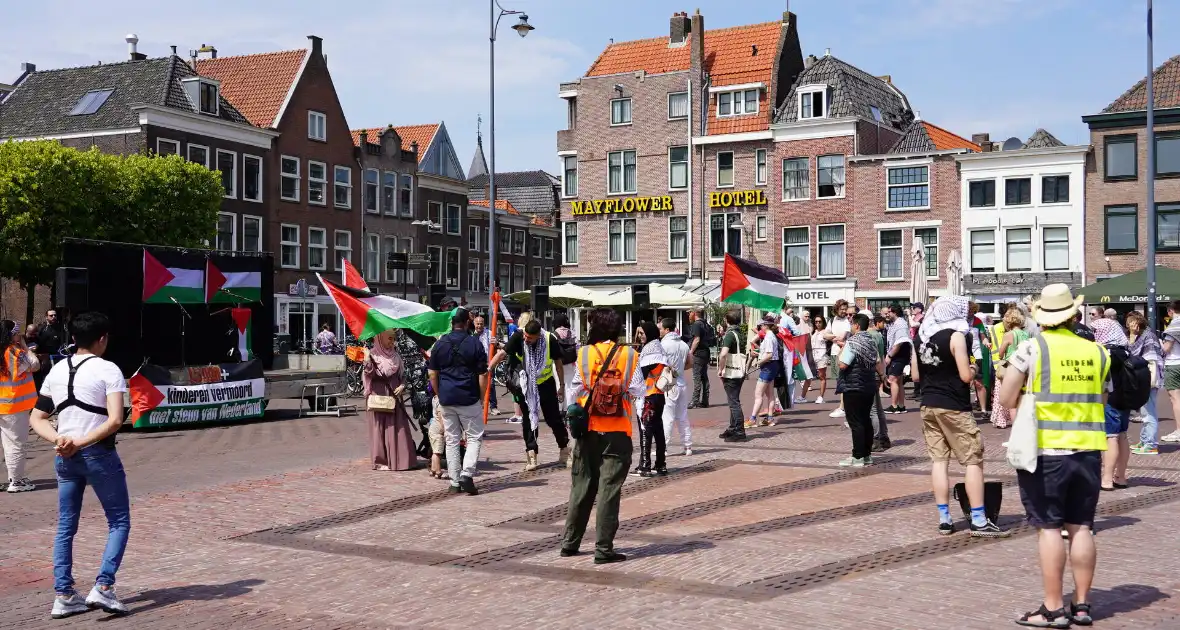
(738, 198)
(627, 204)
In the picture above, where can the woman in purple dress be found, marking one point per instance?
(391, 444)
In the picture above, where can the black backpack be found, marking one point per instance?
(708, 335)
(568, 347)
(1131, 377)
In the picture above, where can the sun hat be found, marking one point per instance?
(1056, 306)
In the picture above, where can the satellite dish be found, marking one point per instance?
(1013, 143)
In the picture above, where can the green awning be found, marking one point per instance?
(1132, 287)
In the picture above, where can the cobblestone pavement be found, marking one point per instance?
(281, 524)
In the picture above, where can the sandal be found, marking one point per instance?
(1050, 618)
(1121, 486)
(1080, 613)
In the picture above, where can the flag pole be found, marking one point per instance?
(487, 392)
(1151, 218)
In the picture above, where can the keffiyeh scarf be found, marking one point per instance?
(864, 349)
(948, 312)
(898, 332)
(1108, 332)
(652, 354)
(534, 364)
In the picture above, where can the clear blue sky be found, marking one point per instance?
(1001, 66)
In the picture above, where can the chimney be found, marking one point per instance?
(678, 29)
(809, 61)
(132, 39)
(173, 50)
(697, 27)
(983, 140)
(317, 45)
(888, 78)
(28, 68)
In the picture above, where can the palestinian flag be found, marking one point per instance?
(215, 393)
(164, 284)
(231, 287)
(241, 317)
(351, 277)
(368, 314)
(754, 285)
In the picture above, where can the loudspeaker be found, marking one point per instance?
(70, 289)
(540, 299)
(438, 293)
(640, 296)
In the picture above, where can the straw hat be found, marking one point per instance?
(1057, 305)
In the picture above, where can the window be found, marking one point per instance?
(797, 252)
(343, 248)
(1167, 225)
(165, 146)
(1017, 192)
(251, 178)
(389, 192)
(209, 102)
(547, 276)
(372, 187)
(372, 257)
(317, 125)
(831, 250)
(1167, 154)
(535, 246)
(929, 240)
(569, 174)
(317, 183)
(620, 172)
(289, 169)
(473, 234)
(983, 251)
(677, 238)
(1055, 189)
(795, 185)
(677, 105)
(725, 169)
(621, 235)
(1122, 160)
(505, 280)
(1019, 249)
(737, 103)
(343, 187)
(251, 233)
(549, 248)
(760, 166)
(90, 102)
(889, 255)
(909, 187)
(434, 211)
(830, 176)
(518, 279)
(677, 168)
(474, 282)
(453, 220)
(571, 113)
(811, 104)
(982, 194)
(487, 241)
(505, 240)
(407, 195)
(391, 274)
(536, 275)
(569, 248)
(452, 275)
(317, 248)
(434, 275)
(289, 246)
(620, 111)
(227, 164)
(226, 226)
(198, 154)
(518, 243)
(1056, 248)
(760, 223)
(724, 238)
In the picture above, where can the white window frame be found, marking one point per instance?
(407, 209)
(519, 236)
(473, 238)
(523, 275)
(295, 243)
(732, 169)
(232, 193)
(819, 250)
(261, 239)
(672, 94)
(233, 232)
(785, 245)
(534, 276)
(622, 172)
(311, 246)
(376, 192)
(726, 213)
(337, 249)
(391, 207)
(295, 176)
(372, 273)
(1030, 192)
(1041, 184)
(458, 214)
(312, 118)
(261, 167)
(391, 244)
(547, 276)
(984, 180)
(322, 182)
(630, 111)
(430, 216)
(535, 239)
(900, 248)
(671, 185)
(188, 153)
(971, 251)
(565, 192)
(937, 248)
(806, 175)
(504, 278)
(473, 276)
(566, 259)
(548, 246)
(622, 242)
(761, 226)
(739, 96)
(761, 172)
(458, 268)
(808, 91)
(687, 236)
(430, 249)
(201, 85)
(1032, 255)
(1044, 242)
(889, 187)
(843, 169)
(336, 169)
(160, 141)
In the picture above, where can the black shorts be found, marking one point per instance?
(1063, 490)
(899, 362)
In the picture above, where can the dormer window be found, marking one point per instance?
(813, 102)
(209, 98)
(737, 103)
(203, 93)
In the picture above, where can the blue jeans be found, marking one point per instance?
(100, 467)
(1149, 434)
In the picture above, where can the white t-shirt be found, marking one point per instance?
(94, 379)
(840, 327)
(1173, 356)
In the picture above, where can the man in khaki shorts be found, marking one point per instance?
(943, 363)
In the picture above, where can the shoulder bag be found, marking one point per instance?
(667, 379)
(1023, 446)
(735, 362)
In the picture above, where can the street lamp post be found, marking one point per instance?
(1151, 226)
(522, 28)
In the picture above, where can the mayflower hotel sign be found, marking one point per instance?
(622, 205)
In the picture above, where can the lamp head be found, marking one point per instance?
(523, 27)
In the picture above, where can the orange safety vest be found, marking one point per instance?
(590, 360)
(17, 394)
(651, 379)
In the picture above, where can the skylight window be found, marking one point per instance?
(90, 102)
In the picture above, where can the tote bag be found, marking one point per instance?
(1022, 441)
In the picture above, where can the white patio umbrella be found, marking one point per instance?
(665, 295)
(954, 273)
(567, 295)
(919, 292)
(604, 297)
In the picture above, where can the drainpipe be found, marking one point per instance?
(703, 125)
(688, 270)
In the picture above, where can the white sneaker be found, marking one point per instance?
(819, 400)
(688, 452)
(800, 400)
(106, 600)
(21, 485)
(837, 413)
(514, 420)
(1174, 436)
(67, 605)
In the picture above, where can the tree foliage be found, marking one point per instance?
(49, 192)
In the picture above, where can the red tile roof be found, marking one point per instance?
(501, 204)
(257, 85)
(944, 140)
(1165, 84)
(422, 134)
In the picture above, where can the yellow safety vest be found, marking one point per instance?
(1068, 381)
(547, 372)
(997, 337)
(16, 394)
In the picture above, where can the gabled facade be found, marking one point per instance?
(527, 252)
(387, 182)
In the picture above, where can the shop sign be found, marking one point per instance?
(1160, 298)
(311, 290)
(626, 204)
(728, 199)
(1017, 283)
(812, 296)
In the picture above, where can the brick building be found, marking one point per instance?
(387, 181)
(526, 253)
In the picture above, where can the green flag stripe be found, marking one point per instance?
(429, 323)
(251, 294)
(184, 295)
(753, 299)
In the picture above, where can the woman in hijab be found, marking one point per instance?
(391, 444)
(652, 363)
(1108, 332)
(1146, 345)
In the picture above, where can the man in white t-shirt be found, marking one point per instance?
(838, 333)
(86, 392)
